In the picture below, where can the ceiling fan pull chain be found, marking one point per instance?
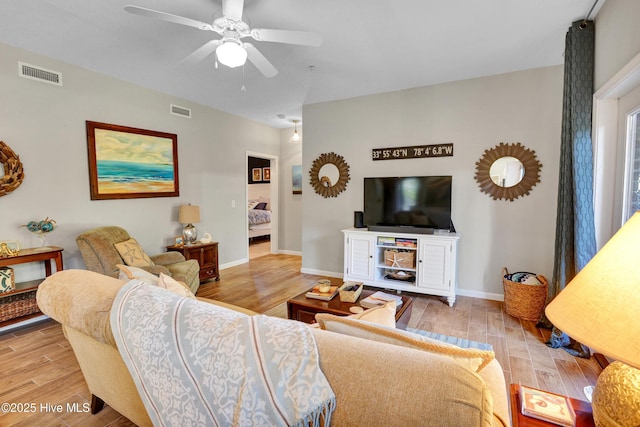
(243, 88)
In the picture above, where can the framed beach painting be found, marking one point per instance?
(296, 179)
(130, 163)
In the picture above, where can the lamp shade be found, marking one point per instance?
(188, 214)
(600, 306)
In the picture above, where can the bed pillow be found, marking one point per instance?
(132, 253)
(261, 206)
(470, 358)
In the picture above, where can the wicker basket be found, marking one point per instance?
(17, 305)
(523, 300)
(394, 258)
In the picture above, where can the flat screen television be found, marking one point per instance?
(411, 203)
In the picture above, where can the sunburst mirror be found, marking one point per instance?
(329, 175)
(508, 171)
(13, 172)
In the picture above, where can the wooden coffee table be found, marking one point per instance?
(305, 309)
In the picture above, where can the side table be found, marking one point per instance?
(22, 300)
(207, 256)
(584, 414)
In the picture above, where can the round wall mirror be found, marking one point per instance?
(329, 175)
(508, 171)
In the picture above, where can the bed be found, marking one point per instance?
(259, 218)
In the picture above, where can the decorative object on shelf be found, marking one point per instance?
(129, 163)
(9, 248)
(295, 138)
(7, 280)
(187, 215)
(206, 238)
(41, 228)
(329, 175)
(178, 241)
(413, 152)
(599, 309)
(13, 172)
(508, 171)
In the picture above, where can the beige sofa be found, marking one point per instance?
(375, 383)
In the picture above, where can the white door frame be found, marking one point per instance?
(273, 191)
(608, 146)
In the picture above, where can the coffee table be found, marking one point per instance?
(305, 309)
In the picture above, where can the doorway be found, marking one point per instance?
(262, 204)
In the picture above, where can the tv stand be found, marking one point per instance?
(412, 262)
(401, 229)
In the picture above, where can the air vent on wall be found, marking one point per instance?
(180, 111)
(34, 72)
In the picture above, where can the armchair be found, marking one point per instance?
(100, 255)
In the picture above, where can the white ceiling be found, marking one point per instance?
(370, 46)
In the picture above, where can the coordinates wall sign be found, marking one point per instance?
(413, 152)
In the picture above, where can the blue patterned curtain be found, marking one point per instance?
(575, 231)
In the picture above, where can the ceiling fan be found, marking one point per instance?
(230, 50)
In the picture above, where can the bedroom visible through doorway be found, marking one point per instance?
(260, 204)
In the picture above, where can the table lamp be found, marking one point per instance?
(187, 215)
(600, 308)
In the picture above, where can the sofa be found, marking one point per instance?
(374, 383)
(98, 250)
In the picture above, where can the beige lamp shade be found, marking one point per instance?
(600, 306)
(189, 214)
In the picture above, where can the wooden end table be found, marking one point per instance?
(207, 256)
(584, 414)
(305, 309)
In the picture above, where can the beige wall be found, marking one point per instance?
(290, 227)
(474, 115)
(45, 125)
(617, 38)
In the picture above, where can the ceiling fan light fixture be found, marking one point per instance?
(231, 53)
(295, 138)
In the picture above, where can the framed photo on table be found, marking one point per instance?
(128, 163)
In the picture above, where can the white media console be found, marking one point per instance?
(421, 263)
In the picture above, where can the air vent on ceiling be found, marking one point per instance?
(180, 111)
(34, 72)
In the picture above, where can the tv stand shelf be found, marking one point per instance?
(421, 263)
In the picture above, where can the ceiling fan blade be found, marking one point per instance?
(149, 13)
(260, 61)
(232, 9)
(286, 36)
(202, 52)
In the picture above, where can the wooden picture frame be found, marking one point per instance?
(266, 174)
(256, 173)
(178, 241)
(130, 163)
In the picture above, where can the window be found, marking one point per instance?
(632, 175)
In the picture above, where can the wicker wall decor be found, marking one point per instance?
(13, 173)
(322, 184)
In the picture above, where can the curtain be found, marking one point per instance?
(575, 241)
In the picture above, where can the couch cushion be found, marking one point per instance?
(163, 280)
(472, 359)
(132, 253)
(171, 284)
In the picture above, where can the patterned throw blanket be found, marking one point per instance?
(197, 364)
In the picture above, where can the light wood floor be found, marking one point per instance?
(39, 366)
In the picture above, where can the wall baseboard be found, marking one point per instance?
(284, 252)
(233, 263)
(321, 273)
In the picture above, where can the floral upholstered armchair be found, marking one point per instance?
(104, 248)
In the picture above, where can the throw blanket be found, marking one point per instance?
(197, 364)
(258, 216)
